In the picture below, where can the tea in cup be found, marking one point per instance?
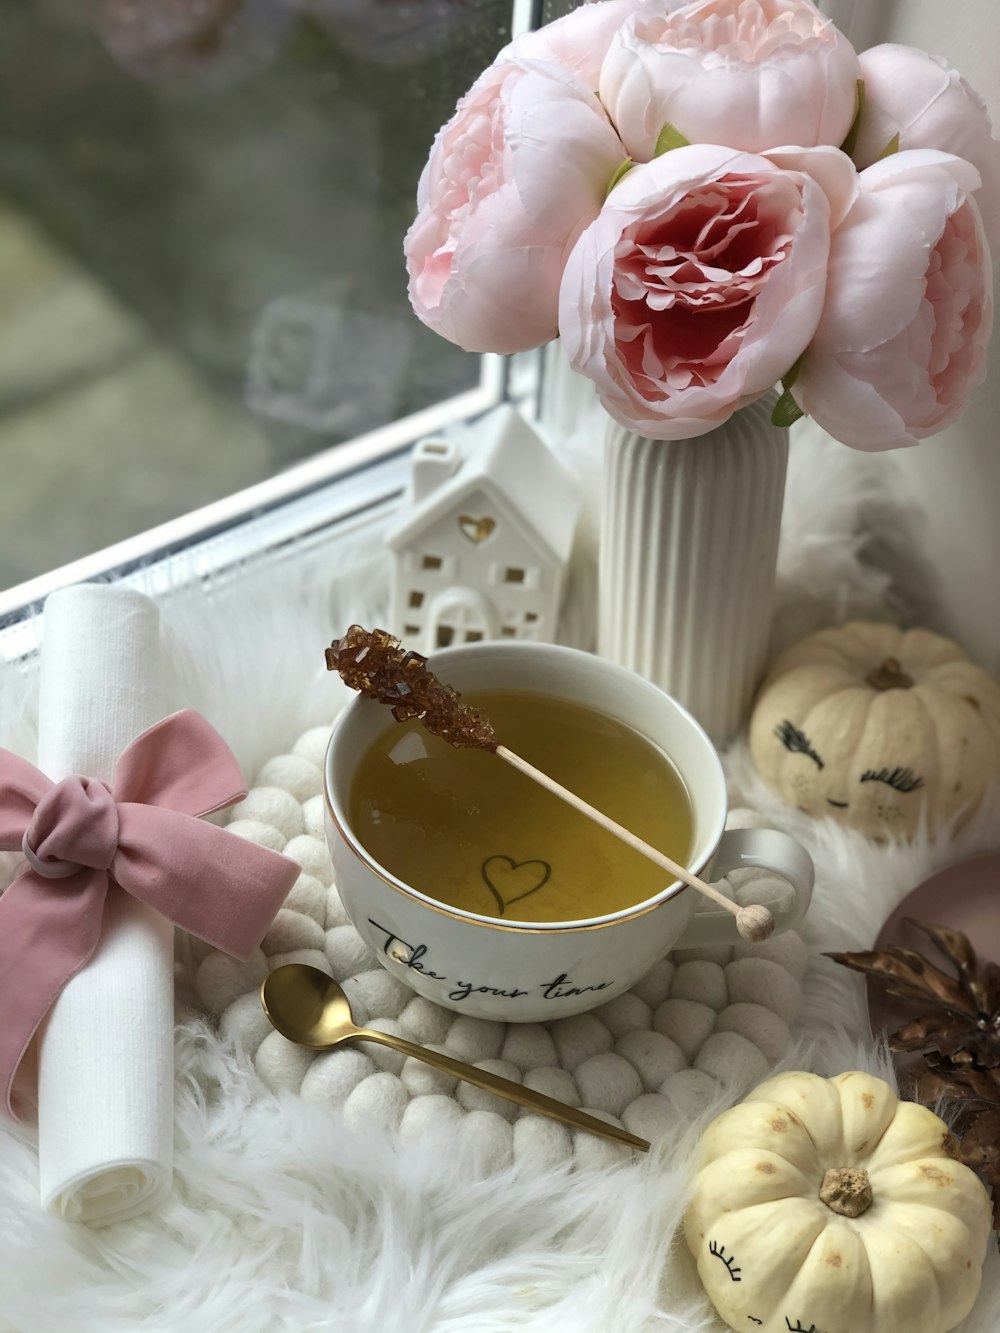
(478, 835)
(486, 892)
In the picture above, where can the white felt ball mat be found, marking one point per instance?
(699, 1017)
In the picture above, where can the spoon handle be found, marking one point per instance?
(503, 1087)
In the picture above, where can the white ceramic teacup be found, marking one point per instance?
(531, 971)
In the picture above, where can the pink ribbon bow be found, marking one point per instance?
(142, 833)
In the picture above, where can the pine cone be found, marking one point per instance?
(958, 1037)
(963, 1017)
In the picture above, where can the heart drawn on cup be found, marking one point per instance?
(509, 881)
(476, 529)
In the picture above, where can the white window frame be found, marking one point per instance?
(255, 514)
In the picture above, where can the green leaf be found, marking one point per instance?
(621, 170)
(669, 138)
(851, 142)
(792, 375)
(786, 410)
(891, 147)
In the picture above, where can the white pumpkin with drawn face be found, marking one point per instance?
(829, 1206)
(872, 725)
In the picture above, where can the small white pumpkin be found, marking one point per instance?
(872, 725)
(829, 1206)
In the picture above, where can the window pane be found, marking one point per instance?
(202, 205)
(555, 9)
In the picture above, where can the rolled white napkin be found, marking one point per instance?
(105, 1061)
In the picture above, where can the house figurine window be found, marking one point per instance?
(483, 538)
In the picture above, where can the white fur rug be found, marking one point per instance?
(284, 1218)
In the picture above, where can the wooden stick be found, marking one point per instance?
(754, 922)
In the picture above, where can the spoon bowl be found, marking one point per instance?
(309, 1008)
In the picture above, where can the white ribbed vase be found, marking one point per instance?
(689, 542)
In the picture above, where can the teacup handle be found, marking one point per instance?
(760, 848)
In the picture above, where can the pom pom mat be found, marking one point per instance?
(698, 1019)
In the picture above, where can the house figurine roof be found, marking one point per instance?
(498, 453)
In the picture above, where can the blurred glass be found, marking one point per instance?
(556, 9)
(202, 207)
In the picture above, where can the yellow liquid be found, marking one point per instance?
(466, 829)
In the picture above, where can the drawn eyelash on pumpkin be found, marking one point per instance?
(903, 779)
(729, 1260)
(798, 1327)
(796, 741)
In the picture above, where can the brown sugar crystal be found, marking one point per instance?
(375, 664)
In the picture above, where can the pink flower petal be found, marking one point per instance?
(696, 288)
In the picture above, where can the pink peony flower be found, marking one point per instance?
(750, 74)
(929, 105)
(579, 41)
(701, 282)
(513, 178)
(902, 341)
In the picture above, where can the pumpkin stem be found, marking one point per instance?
(890, 676)
(847, 1190)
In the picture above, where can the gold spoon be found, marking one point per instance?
(309, 1008)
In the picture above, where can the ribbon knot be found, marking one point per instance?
(74, 827)
(142, 833)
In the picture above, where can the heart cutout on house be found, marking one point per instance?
(509, 881)
(476, 529)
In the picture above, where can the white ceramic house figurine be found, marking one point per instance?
(481, 545)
